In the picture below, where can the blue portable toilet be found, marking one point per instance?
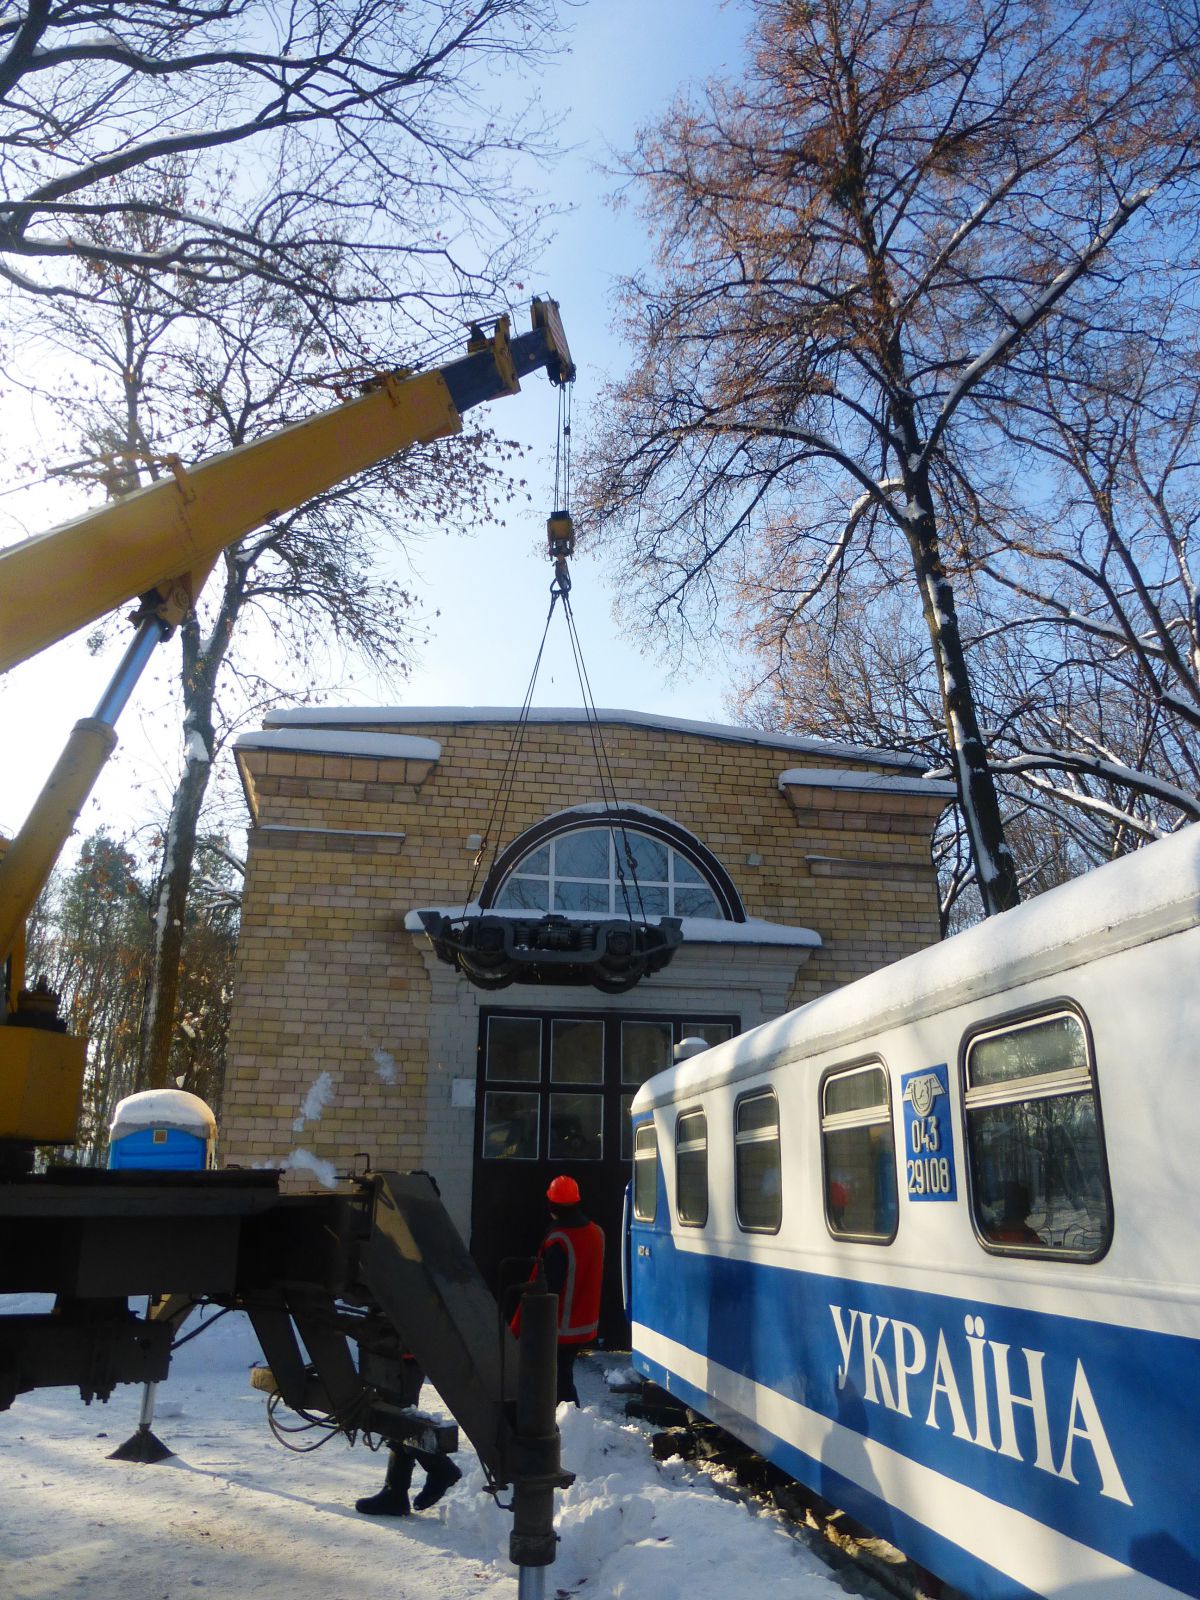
(162, 1130)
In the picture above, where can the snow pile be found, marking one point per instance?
(235, 1515)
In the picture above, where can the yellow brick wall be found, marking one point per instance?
(329, 981)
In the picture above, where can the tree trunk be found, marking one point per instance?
(995, 869)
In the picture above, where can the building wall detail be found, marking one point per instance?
(349, 1039)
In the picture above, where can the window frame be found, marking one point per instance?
(766, 1092)
(1052, 1085)
(649, 1127)
(844, 1069)
(659, 828)
(692, 1222)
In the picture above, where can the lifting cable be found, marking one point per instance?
(561, 544)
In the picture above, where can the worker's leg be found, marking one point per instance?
(440, 1474)
(392, 1499)
(566, 1374)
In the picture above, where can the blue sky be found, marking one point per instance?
(627, 59)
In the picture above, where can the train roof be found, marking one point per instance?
(1144, 896)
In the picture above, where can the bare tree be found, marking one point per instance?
(208, 371)
(358, 124)
(854, 246)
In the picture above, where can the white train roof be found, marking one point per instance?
(1144, 896)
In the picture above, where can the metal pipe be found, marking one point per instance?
(531, 1583)
(141, 647)
(28, 861)
(531, 1545)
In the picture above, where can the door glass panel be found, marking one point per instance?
(626, 1127)
(576, 1051)
(510, 1126)
(645, 1050)
(710, 1032)
(514, 1048)
(575, 1127)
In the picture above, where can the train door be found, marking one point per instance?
(553, 1095)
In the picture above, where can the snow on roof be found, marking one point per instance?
(840, 778)
(334, 742)
(1144, 896)
(696, 930)
(163, 1108)
(348, 716)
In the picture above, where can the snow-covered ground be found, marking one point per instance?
(236, 1515)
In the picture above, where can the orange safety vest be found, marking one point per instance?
(579, 1302)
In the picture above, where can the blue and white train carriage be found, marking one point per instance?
(932, 1243)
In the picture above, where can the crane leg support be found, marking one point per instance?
(531, 1544)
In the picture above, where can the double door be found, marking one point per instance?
(553, 1096)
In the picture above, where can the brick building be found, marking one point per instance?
(796, 866)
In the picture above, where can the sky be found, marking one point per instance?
(234, 1516)
(484, 598)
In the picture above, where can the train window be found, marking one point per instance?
(859, 1152)
(691, 1168)
(645, 1172)
(1039, 1179)
(757, 1188)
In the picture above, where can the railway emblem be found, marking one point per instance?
(921, 1089)
(928, 1137)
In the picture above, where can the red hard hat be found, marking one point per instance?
(563, 1191)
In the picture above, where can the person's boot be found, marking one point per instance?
(392, 1499)
(440, 1475)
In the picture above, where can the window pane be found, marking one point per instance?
(685, 872)
(576, 1051)
(575, 1127)
(1056, 1045)
(514, 1046)
(582, 855)
(643, 898)
(860, 1174)
(696, 903)
(710, 1032)
(757, 1114)
(1038, 1173)
(510, 1126)
(856, 1091)
(537, 862)
(580, 896)
(645, 1050)
(645, 1173)
(759, 1190)
(650, 857)
(523, 894)
(691, 1168)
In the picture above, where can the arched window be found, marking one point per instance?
(576, 861)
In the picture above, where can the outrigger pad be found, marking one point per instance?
(493, 950)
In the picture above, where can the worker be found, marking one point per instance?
(440, 1472)
(392, 1500)
(572, 1257)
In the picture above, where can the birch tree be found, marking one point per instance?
(854, 245)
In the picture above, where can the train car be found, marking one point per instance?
(162, 1130)
(931, 1243)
